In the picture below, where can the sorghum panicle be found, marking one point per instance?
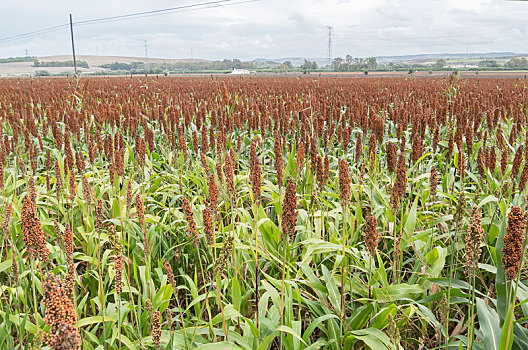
(513, 242)
(524, 177)
(67, 337)
(99, 215)
(207, 216)
(73, 185)
(229, 165)
(14, 268)
(58, 178)
(156, 328)
(118, 266)
(289, 210)
(433, 183)
(223, 258)
(129, 195)
(170, 275)
(299, 159)
(87, 192)
(7, 219)
(256, 177)
(392, 156)
(344, 182)
(191, 224)
(68, 243)
(517, 160)
(213, 193)
(371, 234)
(474, 237)
(32, 231)
(504, 161)
(59, 308)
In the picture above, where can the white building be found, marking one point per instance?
(240, 71)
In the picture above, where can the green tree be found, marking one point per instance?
(348, 62)
(439, 64)
(488, 64)
(517, 62)
(288, 64)
(372, 63)
(337, 64)
(237, 63)
(306, 66)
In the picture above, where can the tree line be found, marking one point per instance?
(81, 64)
(350, 63)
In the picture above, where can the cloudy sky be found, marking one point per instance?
(269, 28)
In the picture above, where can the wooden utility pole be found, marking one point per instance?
(73, 46)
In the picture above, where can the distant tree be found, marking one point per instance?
(314, 65)
(348, 62)
(372, 63)
(439, 64)
(18, 59)
(82, 64)
(517, 62)
(288, 64)
(124, 66)
(337, 64)
(354, 64)
(42, 73)
(228, 64)
(488, 64)
(306, 66)
(237, 63)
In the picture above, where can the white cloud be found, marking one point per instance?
(271, 28)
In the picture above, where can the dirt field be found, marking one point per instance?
(435, 74)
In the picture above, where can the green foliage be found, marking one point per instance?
(354, 64)
(308, 66)
(18, 59)
(80, 64)
(488, 64)
(439, 64)
(41, 73)
(124, 66)
(517, 63)
(319, 288)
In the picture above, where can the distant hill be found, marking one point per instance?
(297, 61)
(483, 55)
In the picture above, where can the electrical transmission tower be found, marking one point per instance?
(146, 55)
(329, 44)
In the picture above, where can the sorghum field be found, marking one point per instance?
(263, 213)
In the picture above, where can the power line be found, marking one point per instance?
(184, 8)
(36, 32)
(139, 14)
